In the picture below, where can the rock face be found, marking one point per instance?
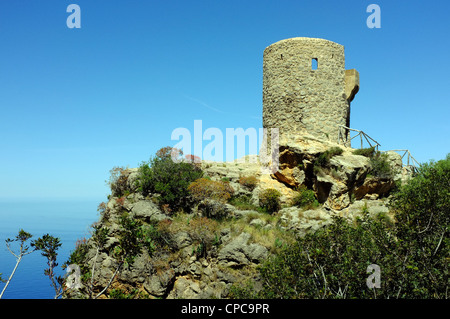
(302, 222)
(147, 211)
(238, 237)
(342, 179)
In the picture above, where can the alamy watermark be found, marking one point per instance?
(374, 19)
(74, 19)
(73, 280)
(374, 280)
(218, 142)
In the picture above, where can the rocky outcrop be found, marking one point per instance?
(301, 221)
(238, 238)
(342, 179)
(239, 253)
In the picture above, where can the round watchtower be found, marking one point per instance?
(304, 88)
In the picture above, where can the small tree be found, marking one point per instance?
(99, 238)
(22, 237)
(49, 245)
(132, 239)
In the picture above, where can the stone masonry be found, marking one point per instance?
(306, 88)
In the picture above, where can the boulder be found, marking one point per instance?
(133, 174)
(290, 176)
(212, 208)
(238, 252)
(257, 222)
(157, 284)
(185, 288)
(265, 182)
(147, 211)
(350, 168)
(395, 162)
(181, 239)
(373, 185)
(303, 221)
(138, 271)
(373, 207)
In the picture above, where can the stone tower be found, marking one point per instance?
(306, 88)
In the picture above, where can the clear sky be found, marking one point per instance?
(76, 102)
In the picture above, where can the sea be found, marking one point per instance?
(69, 220)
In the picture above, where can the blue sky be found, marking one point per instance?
(76, 102)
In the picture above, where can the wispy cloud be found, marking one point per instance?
(204, 104)
(218, 110)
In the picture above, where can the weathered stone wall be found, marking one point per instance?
(298, 99)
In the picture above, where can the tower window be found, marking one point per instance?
(314, 64)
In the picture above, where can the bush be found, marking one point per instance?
(203, 188)
(269, 200)
(305, 198)
(130, 239)
(213, 209)
(331, 263)
(323, 159)
(117, 181)
(367, 152)
(204, 232)
(243, 202)
(78, 257)
(380, 166)
(378, 161)
(249, 181)
(422, 211)
(168, 178)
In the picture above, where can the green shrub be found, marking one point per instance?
(378, 161)
(269, 200)
(243, 202)
(78, 257)
(168, 178)
(117, 293)
(380, 166)
(422, 211)
(367, 152)
(305, 198)
(130, 239)
(331, 263)
(323, 159)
